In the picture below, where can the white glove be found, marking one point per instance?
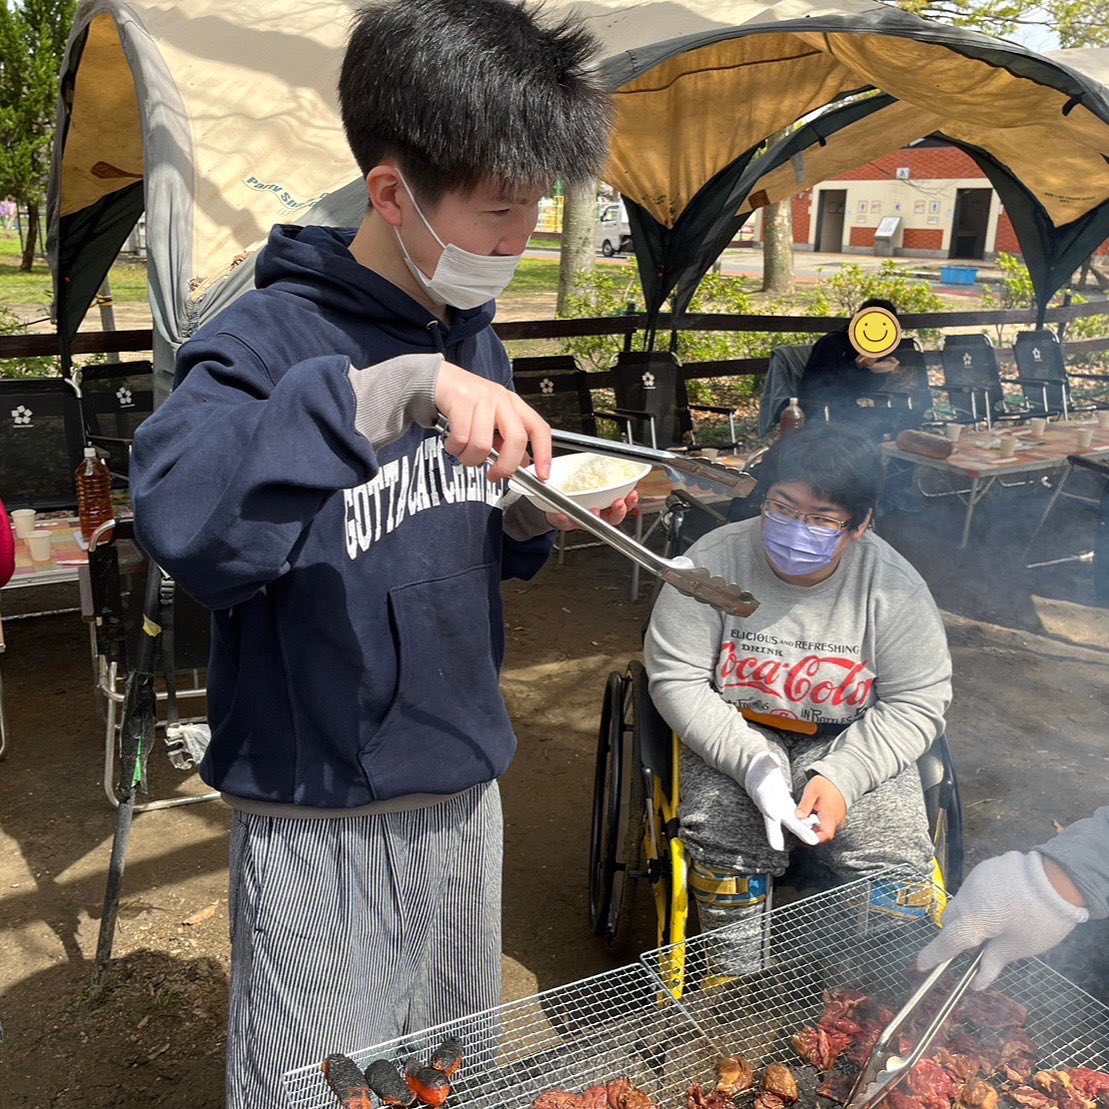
(1008, 904)
(768, 788)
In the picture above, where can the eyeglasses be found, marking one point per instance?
(809, 519)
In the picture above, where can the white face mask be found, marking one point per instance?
(461, 279)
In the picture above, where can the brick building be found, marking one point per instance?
(945, 205)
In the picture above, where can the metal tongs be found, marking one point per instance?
(885, 1070)
(684, 468)
(691, 580)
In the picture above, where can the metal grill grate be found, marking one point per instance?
(625, 1022)
(857, 937)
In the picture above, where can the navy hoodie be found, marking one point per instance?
(357, 630)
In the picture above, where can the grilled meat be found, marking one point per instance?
(384, 1079)
(447, 1057)
(1089, 1083)
(764, 1099)
(558, 1099)
(991, 1010)
(617, 1094)
(733, 1075)
(623, 1095)
(778, 1080)
(977, 1094)
(347, 1082)
(931, 1085)
(1029, 1098)
(700, 1098)
(820, 1047)
(837, 1087)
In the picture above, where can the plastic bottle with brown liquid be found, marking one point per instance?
(792, 418)
(94, 492)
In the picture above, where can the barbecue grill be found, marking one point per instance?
(626, 1021)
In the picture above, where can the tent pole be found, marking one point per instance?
(107, 311)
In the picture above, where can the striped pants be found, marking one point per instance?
(353, 930)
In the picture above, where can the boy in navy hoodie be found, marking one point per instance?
(351, 558)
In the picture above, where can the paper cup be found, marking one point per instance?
(711, 453)
(1037, 426)
(1008, 446)
(1103, 420)
(953, 431)
(1085, 437)
(24, 521)
(39, 542)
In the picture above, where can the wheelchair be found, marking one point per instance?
(634, 837)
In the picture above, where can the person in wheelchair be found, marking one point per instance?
(802, 724)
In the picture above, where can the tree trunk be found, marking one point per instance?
(777, 247)
(578, 253)
(31, 241)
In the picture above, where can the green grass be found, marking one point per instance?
(16, 287)
(534, 275)
(545, 243)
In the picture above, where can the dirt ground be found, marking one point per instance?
(1028, 727)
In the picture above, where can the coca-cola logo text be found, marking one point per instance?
(816, 679)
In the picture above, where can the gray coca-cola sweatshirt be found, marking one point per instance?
(864, 648)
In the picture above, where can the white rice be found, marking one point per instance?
(600, 473)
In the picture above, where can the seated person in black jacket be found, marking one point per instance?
(837, 376)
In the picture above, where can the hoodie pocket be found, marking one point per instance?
(447, 728)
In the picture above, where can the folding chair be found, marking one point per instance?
(115, 399)
(971, 371)
(41, 438)
(1042, 370)
(652, 383)
(112, 594)
(558, 389)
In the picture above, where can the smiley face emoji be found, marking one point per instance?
(874, 332)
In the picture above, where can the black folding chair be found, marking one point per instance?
(558, 389)
(1048, 388)
(904, 400)
(41, 440)
(652, 384)
(115, 399)
(971, 372)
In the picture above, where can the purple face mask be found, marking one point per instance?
(795, 548)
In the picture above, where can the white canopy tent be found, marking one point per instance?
(220, 119)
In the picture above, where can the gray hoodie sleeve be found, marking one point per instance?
(392, 395)
(913, 691)
(681, 651)
(1083, 852)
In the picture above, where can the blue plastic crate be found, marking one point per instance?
(958, 275)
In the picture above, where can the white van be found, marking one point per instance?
(614, 235)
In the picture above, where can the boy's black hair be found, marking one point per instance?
(838, 465)
(460, 91)
(878, 302)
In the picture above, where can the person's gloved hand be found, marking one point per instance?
(768, 788)
(1008, 904)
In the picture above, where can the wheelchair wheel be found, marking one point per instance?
(616, 835)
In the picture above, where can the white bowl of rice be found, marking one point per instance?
(590, 480)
